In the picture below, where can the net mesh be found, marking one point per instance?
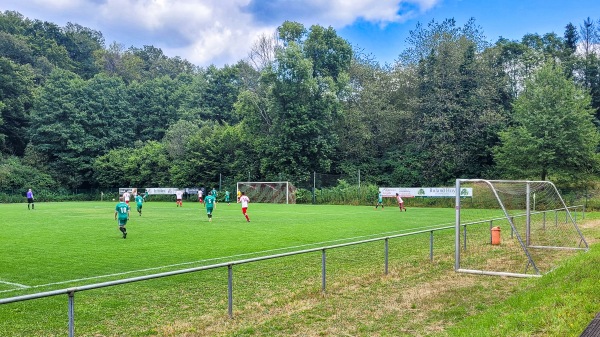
(280, 192)
(534, 227)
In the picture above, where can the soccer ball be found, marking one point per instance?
(113, 199)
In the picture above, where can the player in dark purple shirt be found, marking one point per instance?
(30, 199)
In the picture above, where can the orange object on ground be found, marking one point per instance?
(495, 235)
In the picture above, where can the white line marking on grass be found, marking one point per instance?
(228, 257)
(22, 286)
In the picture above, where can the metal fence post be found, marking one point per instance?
(465, 238)
(230, 290)
(544, 220)
(431, 246)
(323, 271)
(72, 314)
(386, 256)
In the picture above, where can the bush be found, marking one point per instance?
(17, 176)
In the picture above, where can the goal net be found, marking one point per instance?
(514, 228)
(280, 192)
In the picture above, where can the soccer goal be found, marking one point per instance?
(280, 192)
(513, 228)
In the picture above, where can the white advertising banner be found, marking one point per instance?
(436, 192)
(162, 190)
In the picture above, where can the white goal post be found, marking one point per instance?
(280, 192)
(515, 228)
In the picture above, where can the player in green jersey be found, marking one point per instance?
(209, 203)
(122, 215)
(139, 200)
(379, 200)
(227, 197)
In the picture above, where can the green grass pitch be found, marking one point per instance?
(62, 245)
(59, 245)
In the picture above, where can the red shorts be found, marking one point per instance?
(244, 209)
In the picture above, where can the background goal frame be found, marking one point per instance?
(268, 191)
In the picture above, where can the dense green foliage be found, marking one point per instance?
(453, 106)
(554, 134)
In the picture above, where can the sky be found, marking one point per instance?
(219, 32)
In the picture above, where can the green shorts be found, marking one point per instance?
(122, 222)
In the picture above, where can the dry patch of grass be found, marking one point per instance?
(414, 299)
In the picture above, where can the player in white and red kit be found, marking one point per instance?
(126, 197)
(179, 197)
(245, 200)
(400, 202)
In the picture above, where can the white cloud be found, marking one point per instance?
(209, 31)
(346, 12)
(203, 32)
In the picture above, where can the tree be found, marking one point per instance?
(55, 131)
(423, 40)
(571, 38)
(374, 120)
(554, 135)
(589, 36)
(16, 49)
(116, 61)
(262, 52)
(153, 108)
(82, 43)
(147, 164)
(74, 121)
(156, 64)
(220, 94)
(16, 100)
(591, 80)
(177, 136)
(15, 175)
(458, 107)
(294, 123)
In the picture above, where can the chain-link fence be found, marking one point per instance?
(313, 188)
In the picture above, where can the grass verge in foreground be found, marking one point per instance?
(562, 303)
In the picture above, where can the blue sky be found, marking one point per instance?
(221, 32)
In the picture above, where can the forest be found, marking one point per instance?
(79, 114)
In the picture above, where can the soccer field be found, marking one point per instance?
(62, 245)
